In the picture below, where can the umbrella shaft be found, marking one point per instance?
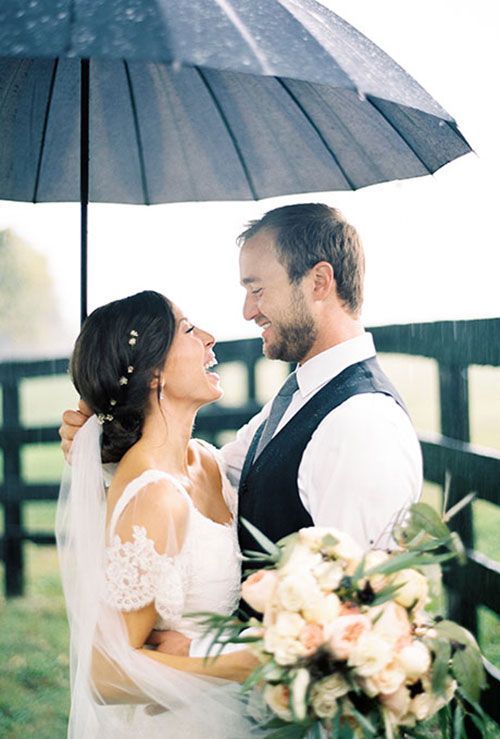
(84, 181)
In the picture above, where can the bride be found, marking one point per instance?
(160, 543)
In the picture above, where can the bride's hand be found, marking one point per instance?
(170, 642)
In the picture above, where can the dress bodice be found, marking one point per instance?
(204, 576)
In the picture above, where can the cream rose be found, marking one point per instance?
(323, 611)
(282, 639)
(344, 547)
(329, 575)
(388, 680)
(277, 698)
(397, 703)
(295, 591)
(414, 590)
(302, 559)
(370, 655)
(374, 558)
(345, 632)
(325, 693)
(258, 589)
(414, 660)
(391, 623)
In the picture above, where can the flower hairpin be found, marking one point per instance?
(103, 417)
(133, 337)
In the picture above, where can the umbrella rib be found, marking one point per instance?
(398, 133)
(231, 135)
(318, 132)
(137, 130)
(44, 130)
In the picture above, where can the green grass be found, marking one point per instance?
(34, 688)
(34, 693)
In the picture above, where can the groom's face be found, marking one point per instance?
(279, 307)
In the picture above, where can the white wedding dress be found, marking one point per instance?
(104, 576)
(204, 576)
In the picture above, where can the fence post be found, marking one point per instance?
(454, 407)
(13, 512)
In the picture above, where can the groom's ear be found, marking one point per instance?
(323, 280)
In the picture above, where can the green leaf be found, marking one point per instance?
(290, 731)
(385, 594)
(444, 716)
(467, 667)
(367, 726)
(266, 544)
(358, 573)
(316, 730)
(458, 722)
(422, 517)
(455, 632)
(441, 664)
(408, 560)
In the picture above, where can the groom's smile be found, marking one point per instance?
(273, 302)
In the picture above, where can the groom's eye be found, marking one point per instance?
(258, 291)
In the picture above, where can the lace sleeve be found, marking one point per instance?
(136, 575)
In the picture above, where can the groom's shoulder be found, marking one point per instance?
(367, 413)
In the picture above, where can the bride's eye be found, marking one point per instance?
(188, 331)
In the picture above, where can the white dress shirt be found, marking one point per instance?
(363, 464)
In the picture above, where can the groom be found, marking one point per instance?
(335, 447)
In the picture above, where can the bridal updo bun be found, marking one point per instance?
(121, 347)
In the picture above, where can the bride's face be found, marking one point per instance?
(186, 374)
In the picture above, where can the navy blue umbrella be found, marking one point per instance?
(155, 102)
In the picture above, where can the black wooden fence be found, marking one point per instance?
(455, 345)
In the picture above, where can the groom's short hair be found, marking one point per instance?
(309, 233)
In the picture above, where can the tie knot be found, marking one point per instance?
(290, 385)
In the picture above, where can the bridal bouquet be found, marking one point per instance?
(345, 645)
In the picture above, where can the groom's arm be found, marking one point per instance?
(72, 421)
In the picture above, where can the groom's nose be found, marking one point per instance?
(250, 310)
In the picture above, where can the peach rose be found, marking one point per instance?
(345, 632)
(312, 636)
(258, 589)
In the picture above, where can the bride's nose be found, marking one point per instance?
(208, 339)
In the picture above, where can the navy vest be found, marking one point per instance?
(268, 493)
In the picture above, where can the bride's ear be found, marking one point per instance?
(156, 381)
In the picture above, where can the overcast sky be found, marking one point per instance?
(432, 244)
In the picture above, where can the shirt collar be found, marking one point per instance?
(330, 363)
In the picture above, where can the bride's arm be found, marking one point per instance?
(236, 666)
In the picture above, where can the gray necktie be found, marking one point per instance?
(278, 408)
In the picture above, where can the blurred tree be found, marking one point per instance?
(30, 321)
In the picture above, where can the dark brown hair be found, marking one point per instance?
(313, 232)
(128, 339)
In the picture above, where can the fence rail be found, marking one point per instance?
(455, 345)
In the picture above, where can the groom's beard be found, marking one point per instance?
(295, 336)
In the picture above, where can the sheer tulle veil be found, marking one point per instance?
(115, 690)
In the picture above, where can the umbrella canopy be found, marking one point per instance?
(203, 100)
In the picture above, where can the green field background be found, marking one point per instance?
(34, 695)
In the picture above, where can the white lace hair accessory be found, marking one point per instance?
(116, 690)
